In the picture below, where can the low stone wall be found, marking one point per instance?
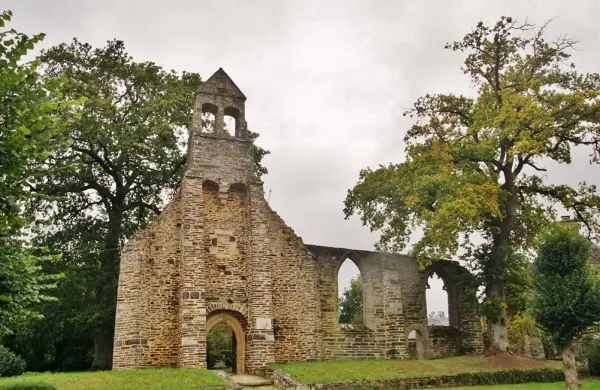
(445, 341)
(286, 382)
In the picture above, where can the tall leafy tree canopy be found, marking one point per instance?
(29, 131)
(124, 160)
(566, 297)
(475, 165)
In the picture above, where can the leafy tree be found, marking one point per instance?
(351, 303)
(28, 131)
(219, 346)
(566, 291)
(473, 163)
(124, 162)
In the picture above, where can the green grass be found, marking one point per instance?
(585, 385)
(150, 379)
(345, 370)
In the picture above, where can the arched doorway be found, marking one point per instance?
(416, 343)
(235, 321)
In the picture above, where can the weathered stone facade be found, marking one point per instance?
(219, 253)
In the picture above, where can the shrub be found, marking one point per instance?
(592, 352)
(10, 364)
(28, 386)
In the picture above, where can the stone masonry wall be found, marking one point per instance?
(445, 341)
(393, 305)
(295, 302)
(147, 332)
(163, 281)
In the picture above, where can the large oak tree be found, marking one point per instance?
(475, 165)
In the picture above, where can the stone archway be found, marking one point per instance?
(230, 318)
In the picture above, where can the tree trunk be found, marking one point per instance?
(496, 268)
(106, 294)
(103, 350)
(569, 367)
(497, 329)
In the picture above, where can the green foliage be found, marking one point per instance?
(29, 132)
(219, 346)
(28, 386)
(520, 328)
(10, 363)
(503, 377)
(592, 353)
(351, 303)
(566, 297)
(473, 164)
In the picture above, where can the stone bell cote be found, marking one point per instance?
(219, 109)
(219, 147)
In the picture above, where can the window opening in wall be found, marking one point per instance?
(230, 125)
(221, 348)
(231, 119)
(437, 302)
(208, 122)
(350, 294)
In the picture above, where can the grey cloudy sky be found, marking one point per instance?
(326, 81)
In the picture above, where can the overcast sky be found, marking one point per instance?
(326, 81)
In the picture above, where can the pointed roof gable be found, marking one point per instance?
(221, 84)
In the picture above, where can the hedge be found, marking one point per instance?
(501, 377)
(28, 386)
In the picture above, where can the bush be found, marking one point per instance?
(10, 364)
(592, 352)
(28, 386)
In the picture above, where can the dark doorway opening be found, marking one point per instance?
(221, 348)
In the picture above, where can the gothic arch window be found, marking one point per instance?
(350, 294)
(438, 312)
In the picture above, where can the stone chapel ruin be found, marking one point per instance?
(219, 254)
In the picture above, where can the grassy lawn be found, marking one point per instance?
(344, 370)
(164, 379)
(585, 385)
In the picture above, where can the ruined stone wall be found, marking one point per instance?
(163, 286)
(295, 302)
(147, 331)
(394, 304)
(130, 340)
(445, 341)
(344, 341)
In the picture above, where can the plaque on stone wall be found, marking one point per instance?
(263, 323)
